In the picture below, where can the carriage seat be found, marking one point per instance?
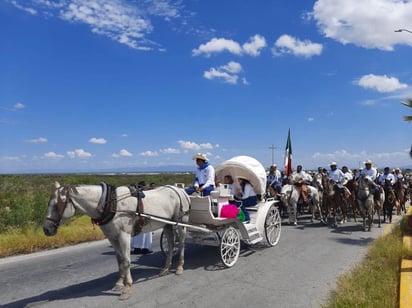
(201, 212)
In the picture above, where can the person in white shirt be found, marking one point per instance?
(249, 197)
(348, 174)
(306, 177)
(386, 176)
(274, 179)
(369, 170)
(337, 176)
(204, 176)
(398, 175)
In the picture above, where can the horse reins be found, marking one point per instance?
(60, 205)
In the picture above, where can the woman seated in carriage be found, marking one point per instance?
(245, 198)
(249, 197)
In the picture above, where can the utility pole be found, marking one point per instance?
(273, 153)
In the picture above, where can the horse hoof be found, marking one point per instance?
(124, 296)
(117, 288)
(179, 271)
(164, 272)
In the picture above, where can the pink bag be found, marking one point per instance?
(229, 211)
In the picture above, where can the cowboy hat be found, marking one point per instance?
(333, 164)
(368, 162)
(298, 178)
(200, 156)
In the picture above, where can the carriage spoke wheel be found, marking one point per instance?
(230, 246)
(273, 226)
(164, 244)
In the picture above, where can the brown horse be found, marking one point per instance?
(335, 200)
(353, 204)
(390, 200)
(400, 195)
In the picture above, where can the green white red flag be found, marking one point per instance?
(288, 156)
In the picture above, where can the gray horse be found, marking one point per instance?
(290, 195)
(367, 204)
(128, 215)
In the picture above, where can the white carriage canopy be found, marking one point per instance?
(246, 167)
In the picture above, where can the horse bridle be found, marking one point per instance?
(61, 205)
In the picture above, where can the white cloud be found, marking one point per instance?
(380, 83)
(97, 140)
(53, 155)
(18, 106)
(79, 153)
(122, 153)
(10, 158)
(27, 9)
(287, 44)
(217, 45)
(38, 140)
(149, 153)
(311, 119)
(126, 22)
(170, 151)
(226, 72)
(368, 24)
(190, 145)
(255, 45)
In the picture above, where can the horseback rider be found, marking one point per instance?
(373, 173)
(274, 179)
(303, 181)
(338, 177)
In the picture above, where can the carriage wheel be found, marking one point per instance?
(230, 246)
(164, 245)
(273, 226)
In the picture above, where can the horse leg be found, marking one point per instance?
(125, 274)
(122, 250)
(182, 238)
(379, 216)
(169, 233)
(292, 213)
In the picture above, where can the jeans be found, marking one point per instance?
(206, 191)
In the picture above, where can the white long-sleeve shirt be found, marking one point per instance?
(205, 176)
(372, 172)
(337, 176)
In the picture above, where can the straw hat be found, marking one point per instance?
(200, 156)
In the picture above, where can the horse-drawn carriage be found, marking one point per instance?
(207, 227)
(121, 212)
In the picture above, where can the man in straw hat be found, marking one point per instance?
(204, 176)
(369, 170)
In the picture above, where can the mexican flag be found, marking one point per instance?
(288, 156)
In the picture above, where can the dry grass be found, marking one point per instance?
(375, 282)
(26, 241)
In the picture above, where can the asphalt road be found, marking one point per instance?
(299, 272)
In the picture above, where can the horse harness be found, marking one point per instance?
(107, 205)
(61, 204)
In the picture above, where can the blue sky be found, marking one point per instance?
(115, 84)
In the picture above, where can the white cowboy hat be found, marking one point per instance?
(368, 162)
(333, 164)
(298, 178)
(200, 156)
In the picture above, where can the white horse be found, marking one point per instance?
(290, 195)
(367, 204)
(123, 217)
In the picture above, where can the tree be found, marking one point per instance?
(408, 103)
